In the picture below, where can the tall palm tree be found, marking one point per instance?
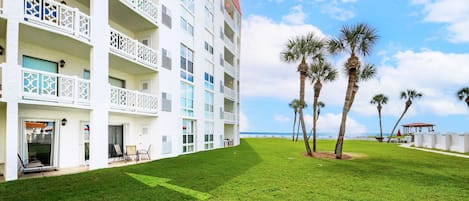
(320, 71)
(363, 74)
(464, 93)
(408, 95)
(356, 40)
(297, 49)
(380, 100)
(294, 104)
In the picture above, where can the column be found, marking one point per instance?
(99, 116)
(11, 88)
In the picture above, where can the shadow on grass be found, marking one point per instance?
(203, 171)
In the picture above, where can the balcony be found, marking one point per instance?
(229, 117)
(132, 49)
(229, 43)
(230, 69)
(145, 8)
(50, 14)
(52, 87)
(230, 21)
(1, 81)
(133, 101)
(229, 93)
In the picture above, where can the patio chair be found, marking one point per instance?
(117, 149)
(131, 150)
(34, 166)
(144, 152)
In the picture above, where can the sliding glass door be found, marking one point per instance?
(38, 142)
(115, 137)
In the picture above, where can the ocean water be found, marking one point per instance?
(289, 135)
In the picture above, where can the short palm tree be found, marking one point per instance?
(320, 72)
(379, 100)
(356, 40)
(294, 104)
(408, 95)
(463, 94)
(298, 49)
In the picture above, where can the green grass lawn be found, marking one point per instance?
(265, 169)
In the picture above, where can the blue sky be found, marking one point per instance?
(423, 45)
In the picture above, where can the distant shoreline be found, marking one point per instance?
(328, 136)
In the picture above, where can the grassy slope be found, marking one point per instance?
(268, 169)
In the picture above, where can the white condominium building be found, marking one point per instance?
(82, 82)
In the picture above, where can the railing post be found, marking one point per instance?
(137, 94)
(76, 22)
(75, 90)
(136, 44)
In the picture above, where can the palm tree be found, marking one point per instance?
(295, 103)
(464, 93)
(408, 95)
(380, 100)
(356, 40)
(299, 49)
(320, 71)
(363, 74)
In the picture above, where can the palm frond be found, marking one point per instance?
(463, 93)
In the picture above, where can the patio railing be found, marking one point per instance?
(230, 93)
(58, 16)
(230, 69)
(132, 49)
(229, 44)
(44, 86)
(144, 7)
(134, 101)
(229, 117)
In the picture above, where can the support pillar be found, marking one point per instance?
(100, 94)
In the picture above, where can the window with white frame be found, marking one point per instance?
(166, 59)
(208, 106)
(166, 16)
(208, 135)
(189, 4)
(208, 42)
(187, 26)
(209, 14)
(188, 136)
(187, 99)
(187, 64)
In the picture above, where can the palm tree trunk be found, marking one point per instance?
(297, 130)
(397, 122)
(303, 69)
(380, 125)
(317, 90)
(467, 101)
(293, 132)
(346, 109)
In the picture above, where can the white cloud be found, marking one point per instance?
(336, 9)
(330, 123)
(243, 122)
(438, 75)
(281, 118)
(263, 73)
(455, 13)
(296, 16)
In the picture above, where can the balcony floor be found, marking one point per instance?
(119, 12)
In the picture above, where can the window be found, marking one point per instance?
(208, 48)
(117, 82)
(187, 65)
(188, 136)
(209, 15)
(166, 62)
(86, 74)
(208, 106)
(187, 100)
(208, 135)
(166, 102)
(208, 81)
(186, 26)
(166, 16)
(189, 4)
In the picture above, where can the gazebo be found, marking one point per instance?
(417, 127)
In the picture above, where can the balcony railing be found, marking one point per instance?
(229, 117)
(133, 101)
(230, 69)
(230, 21)
(1, 76)
(230, 93)
(59, 16)
(145, 7)
(52, 87)
(229, 44)
(132, 49)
